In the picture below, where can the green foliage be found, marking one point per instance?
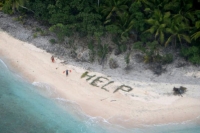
(7, 7)
(158, 22)
(125, 24)
(146, 37)
(40, 8)
(152, 47)
(52, 41)
(92, 51)
(120, 45)
(59, 12)
(127, 58)
(20, 19)
(39, 31)
(184, 13)
(177, 32)
(196, 35)
(192, 54)
(113, 29)
(91, 46)
(139, 46)
(195, 59)
(89, 23)
(98, 34)
(149, 21)
(137, 16)
(11, 6)
(60, 30)
(84, 74)
(1, 5)
(96, 80)
(102, 50)
(110, 82)
(43, 33)
(122, 88)
(113, 8)
(35, 35)
(76, 15)
(150, 51)
(18, 3)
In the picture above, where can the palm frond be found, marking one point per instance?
(179, 38)
(151, 30)
(147, 10)
(168, 40)
(195, 36)
(167, 15)
(150, 21)
(162, 37)
(169, 30)
(162, 26)
(157, 33)
(186, 38)
(197, 24)
(171, 5)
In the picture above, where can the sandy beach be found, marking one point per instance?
(136, 103)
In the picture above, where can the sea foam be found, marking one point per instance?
(4, 64)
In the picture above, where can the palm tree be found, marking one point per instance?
(182, 18)
(196, 35)
(113, 8)
(159, 22)
(177, 31)
(125, 23)
(162, 5)
(184, 12)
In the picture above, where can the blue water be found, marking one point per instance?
(36, 108)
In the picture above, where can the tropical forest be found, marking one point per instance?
(148, 26)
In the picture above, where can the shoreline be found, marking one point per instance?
(142, 106)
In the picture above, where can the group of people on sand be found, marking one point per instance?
(66, 71)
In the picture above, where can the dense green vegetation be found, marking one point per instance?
(152, 24)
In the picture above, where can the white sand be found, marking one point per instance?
(147, 103)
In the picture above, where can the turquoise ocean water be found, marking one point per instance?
(36, 108)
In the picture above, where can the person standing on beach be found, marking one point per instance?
(52, 59)
(67, 72)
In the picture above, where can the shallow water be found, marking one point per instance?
(37, 108)
(24, 110)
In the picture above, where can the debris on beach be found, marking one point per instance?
(179, 91)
